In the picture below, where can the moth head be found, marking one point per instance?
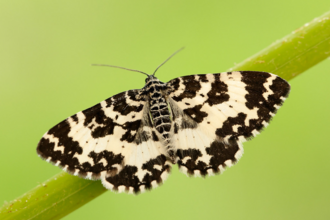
(150, 78)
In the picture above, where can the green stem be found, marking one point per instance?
(295, 53)
(288, 57)
(53, 199)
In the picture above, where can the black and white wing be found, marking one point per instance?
(214, 113)
(113, 141)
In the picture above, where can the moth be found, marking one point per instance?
(130, 140)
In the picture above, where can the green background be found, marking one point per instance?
(46, 48)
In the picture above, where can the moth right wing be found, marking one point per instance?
(214, 113)
(114, 141)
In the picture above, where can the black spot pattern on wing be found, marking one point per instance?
(255, 87)
(155, 173)
(191, 87)
(227, 128)
(126, 177)
(195, 113)
(110, 158)
(105, 125)
(255, 82)
(220, 153)
(219, 156)
(130, 127)
(46, 148)
(191, 163)
(154, 136)
(217, 94)
(75, 118)
(281, 89)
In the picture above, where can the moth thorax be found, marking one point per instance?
(155, 90)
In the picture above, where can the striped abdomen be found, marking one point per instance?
(160, 115)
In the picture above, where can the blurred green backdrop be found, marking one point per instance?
(45, 74)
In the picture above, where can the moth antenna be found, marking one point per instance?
(120, 68)
(168, 59)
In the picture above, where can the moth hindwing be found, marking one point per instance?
(130, 140)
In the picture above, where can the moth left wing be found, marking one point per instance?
(114, 141)
(214, 114)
